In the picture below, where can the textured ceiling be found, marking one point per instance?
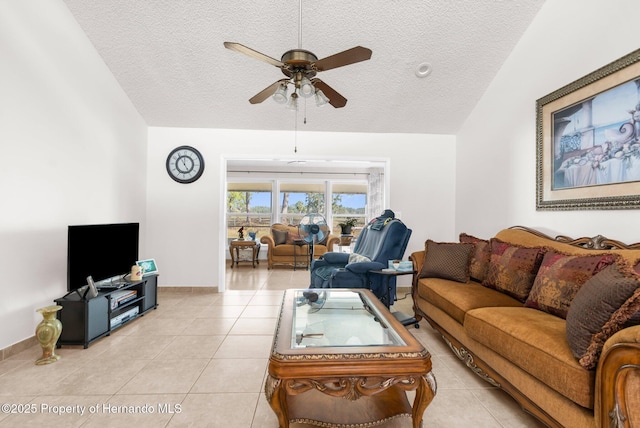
(168, 56)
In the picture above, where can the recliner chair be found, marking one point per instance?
(384, 239)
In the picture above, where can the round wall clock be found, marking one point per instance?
(185, 164)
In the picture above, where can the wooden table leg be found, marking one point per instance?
(276, 396)
(424, 394)
(231, 253)
(253, 258)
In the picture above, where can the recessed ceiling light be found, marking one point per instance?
(424, 69)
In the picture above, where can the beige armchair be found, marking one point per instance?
(282, 249)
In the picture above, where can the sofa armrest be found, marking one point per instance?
(318, 263)
(333, 240)
(364, 267)
(268, 240)
(617, 400)
(336, 258)
(417, 259)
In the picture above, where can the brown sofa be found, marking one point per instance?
(282, 249)
(556, 348)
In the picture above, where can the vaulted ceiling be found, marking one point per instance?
(169, 58)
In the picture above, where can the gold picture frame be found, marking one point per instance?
(588, 141)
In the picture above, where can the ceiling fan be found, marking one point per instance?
(301, 66)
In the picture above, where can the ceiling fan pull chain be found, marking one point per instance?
(295, 134)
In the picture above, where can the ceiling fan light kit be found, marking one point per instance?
(280, 95)
(321, 98)
(293, 102)
(306, 88)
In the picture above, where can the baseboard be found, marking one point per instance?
(16, 348)
(194, 290)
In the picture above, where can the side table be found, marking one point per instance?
(238, 245)
(303, 246)
(387, 274)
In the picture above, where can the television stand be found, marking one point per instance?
(87, 320)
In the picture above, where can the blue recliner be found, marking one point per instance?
(384, 239)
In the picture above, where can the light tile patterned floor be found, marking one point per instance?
(200, 360)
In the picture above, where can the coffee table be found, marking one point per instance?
(340, 359)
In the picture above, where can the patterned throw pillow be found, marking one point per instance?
(447, 260)
(512, 269)
(560, 277)
(602, 306)
(358, 258)
(292, 237)
(480, 256)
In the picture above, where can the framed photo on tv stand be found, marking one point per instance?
(149, 266)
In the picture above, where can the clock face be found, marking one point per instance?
(185, 164)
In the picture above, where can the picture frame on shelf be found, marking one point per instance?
(588, 141)
(148, 266)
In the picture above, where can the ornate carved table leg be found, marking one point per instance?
(253, 255)
(424, 394)
(275, 393)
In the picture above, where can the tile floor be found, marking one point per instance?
(200, 360)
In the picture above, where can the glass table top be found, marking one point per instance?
(338, 318)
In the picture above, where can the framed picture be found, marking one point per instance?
(588, 141)
(148, 266)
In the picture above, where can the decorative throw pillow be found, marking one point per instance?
(358, 258)
(560, 277)
(479, 257)
(292, 237)
(602, 306)
(279, 236)
(447, 260)
(512, 269)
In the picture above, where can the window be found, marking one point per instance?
(249, 206)
(349, 200)
(257, 199)
(298, 199)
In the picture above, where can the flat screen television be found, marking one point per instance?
(102, 251)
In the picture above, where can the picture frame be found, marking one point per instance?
(148, 266)
(588, 141)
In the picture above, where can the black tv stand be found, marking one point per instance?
(86, 320)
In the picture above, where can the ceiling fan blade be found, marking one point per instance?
(335, 99)
(266, 92)
(252, 53)
(350, 56)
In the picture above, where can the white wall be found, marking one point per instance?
(73, 152)
(496, 156)
(186, 234)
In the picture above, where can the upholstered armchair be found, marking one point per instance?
(378, 243)
(283, 250)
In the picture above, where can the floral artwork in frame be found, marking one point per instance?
(588, 141)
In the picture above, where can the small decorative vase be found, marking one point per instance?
(47, 333)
